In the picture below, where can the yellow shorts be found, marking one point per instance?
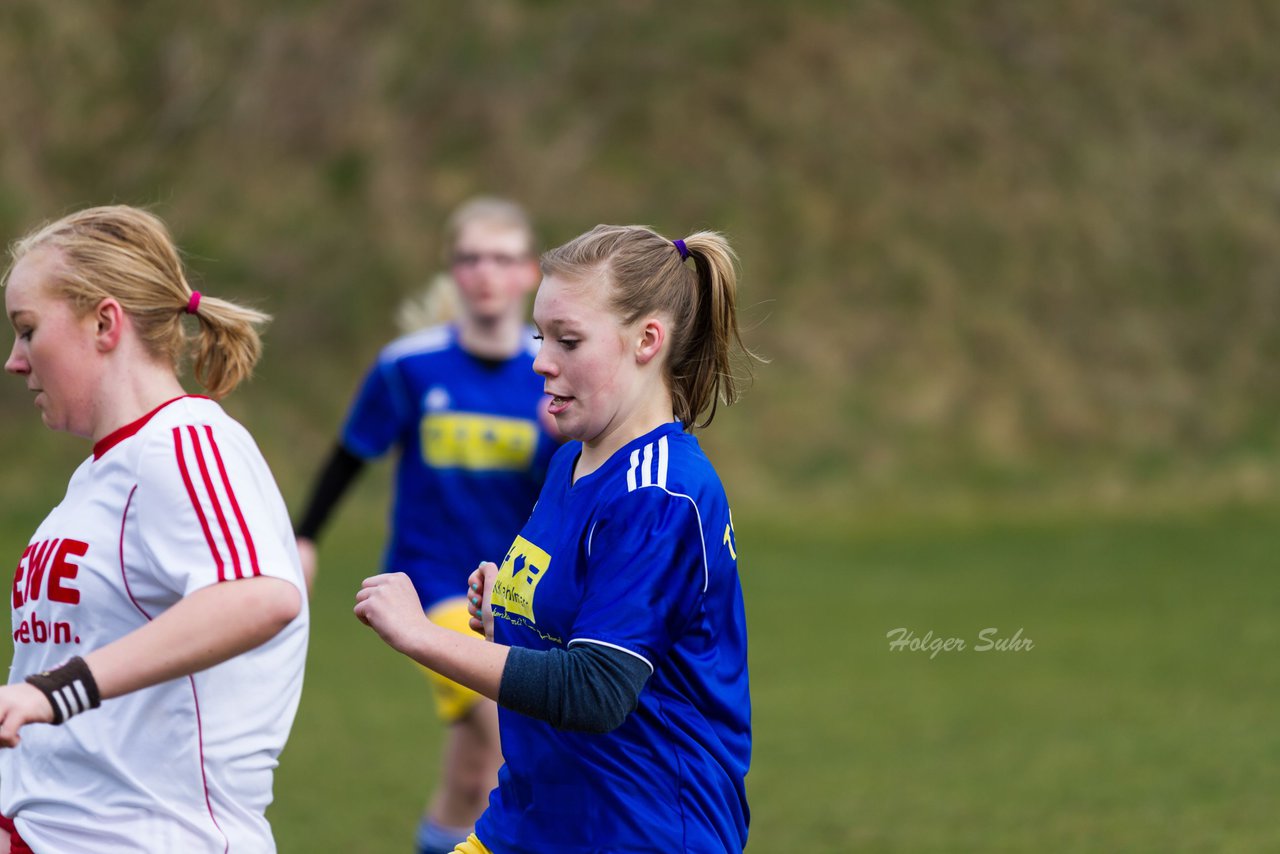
(471, 845)
(453, 701)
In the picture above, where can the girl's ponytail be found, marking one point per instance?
(650, 274)
(227, 345)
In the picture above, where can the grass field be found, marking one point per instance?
(1142, 719)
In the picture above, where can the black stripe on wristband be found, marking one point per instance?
(70, 688)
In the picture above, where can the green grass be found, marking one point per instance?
(1137, 722)
(1142, 719)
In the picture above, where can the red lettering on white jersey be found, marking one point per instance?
(19, 575)
(45, 567)
(36, 566)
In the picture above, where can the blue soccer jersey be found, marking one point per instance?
(472, 453)
(639, 556)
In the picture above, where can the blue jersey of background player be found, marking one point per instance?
(462, 406)
(620, 657)
(472, 454)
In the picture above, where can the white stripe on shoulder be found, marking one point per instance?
(430, 340)
(613, 646)
(631, 472)
(662, 462)
(653, 472)
(646, 466)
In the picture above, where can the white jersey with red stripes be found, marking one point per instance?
(174, 502)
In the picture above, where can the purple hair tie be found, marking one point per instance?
(684, 250)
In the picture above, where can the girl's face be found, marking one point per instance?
(585, 359)
(493, 268)
(54, 349)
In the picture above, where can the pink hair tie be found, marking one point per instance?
(193, 303)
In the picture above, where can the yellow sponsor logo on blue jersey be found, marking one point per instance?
(518, 577)
(465, 440)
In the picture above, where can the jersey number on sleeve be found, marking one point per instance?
(730, 537)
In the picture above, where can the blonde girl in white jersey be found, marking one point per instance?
(159, 619)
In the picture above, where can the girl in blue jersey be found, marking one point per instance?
(619, 659)
(461, 404)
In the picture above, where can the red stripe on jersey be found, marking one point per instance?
(235, 505)
(213, 499)
(204, 777)
(195, 502)
(124, 576)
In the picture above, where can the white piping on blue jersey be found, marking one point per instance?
(613, 646)
(591, 536)
(646, 479)
(428, 340)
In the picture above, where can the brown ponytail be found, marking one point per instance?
(701, 373)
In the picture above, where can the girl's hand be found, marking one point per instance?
(479, 596)
(21, 704)
(389, 605)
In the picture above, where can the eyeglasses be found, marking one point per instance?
(498, 259)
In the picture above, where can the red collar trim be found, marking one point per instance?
(115, 437)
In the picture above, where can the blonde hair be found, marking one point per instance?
(647, 275)
(490, 210)
(439, 301)
(127, 254)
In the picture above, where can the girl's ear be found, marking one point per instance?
(653, 333)
(110, 319)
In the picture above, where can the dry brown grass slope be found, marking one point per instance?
(1019, 251)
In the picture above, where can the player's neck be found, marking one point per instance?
(640, 421)
(131, 394)
(491, 337)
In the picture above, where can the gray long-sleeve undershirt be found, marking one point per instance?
(586, 688)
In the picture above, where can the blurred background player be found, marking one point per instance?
(461, 404)
(168, 574)
(620, 661)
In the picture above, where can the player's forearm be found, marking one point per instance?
(585, 688)
(469, 661)
(339, 472)
(205, 628)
